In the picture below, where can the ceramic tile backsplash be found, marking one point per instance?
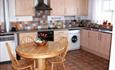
(39, 21)
(43, 20)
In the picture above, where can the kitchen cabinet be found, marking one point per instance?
(58, 7)
(105, 44)
(72, 7)
(69, 7)
(22, 35)
(24, 8)
(83, 8)
(10, 39)
(96, 42)
(60, 33)
(93, 41)
(84, 35)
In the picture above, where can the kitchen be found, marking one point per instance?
(63, 19)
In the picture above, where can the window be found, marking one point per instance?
(107, 10)
(103, 10)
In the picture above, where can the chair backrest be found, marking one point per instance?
(26, 39)
(64, 43)
(12, 57)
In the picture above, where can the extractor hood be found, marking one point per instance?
(42, 6)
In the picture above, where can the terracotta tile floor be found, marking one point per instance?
(77, 60)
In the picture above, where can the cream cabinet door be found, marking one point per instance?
(24, 8)
(71, 7)
(83, 7)
(84, 35)
(22, 35)
(60, 33)
(93, 41)
(105, 44)
(57, 7)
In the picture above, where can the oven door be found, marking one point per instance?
(4, 56)
(49, 35)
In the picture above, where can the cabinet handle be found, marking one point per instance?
(100, 36)
(77, 11)
(88, 34)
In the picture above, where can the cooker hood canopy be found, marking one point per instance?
(42, 6)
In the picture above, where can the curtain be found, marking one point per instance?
(102, 10)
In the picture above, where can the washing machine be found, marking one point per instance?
(74, 39)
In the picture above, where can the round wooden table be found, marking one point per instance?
(30, 50)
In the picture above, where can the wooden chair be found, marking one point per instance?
(22, 64)
(61, 58)
(26, 39)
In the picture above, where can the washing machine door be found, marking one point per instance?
(74, 39)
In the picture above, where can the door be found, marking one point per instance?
(105, 44)
(22, 35)
(71, 7)
(84, 38)
(4, 56)
(58, 7)
(93, 41)
(83, 7)
(24, 8)
(58, 34)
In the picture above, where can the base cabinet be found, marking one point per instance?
(105, 44)
(22, 35)
(84, 35)
(60, 33)
(97, 43)
(69, 7)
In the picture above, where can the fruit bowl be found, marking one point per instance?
(40, 42)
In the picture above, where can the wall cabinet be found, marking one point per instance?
(69, 7)
(22, 35)
(96, 42)
(58, 7)
(60, 33)
(24, 7)
(83, 7)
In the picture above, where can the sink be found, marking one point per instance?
(104, 30)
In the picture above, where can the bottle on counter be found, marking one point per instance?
(109, 26)
(105, 24)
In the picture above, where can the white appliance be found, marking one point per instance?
(4, 56)
(74, 39)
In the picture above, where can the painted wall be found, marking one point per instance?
(112, 58)
(1, 10)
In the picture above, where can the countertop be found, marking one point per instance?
(53, 29)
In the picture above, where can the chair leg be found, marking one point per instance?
(34, 64)
(31, 68)
(52, 66)
(64, 66)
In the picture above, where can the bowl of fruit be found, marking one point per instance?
(40, 42)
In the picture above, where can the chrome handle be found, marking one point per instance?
(98, 36)
(88, 35)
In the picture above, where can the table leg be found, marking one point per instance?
(41, 64)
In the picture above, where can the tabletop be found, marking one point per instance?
(30, 50)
